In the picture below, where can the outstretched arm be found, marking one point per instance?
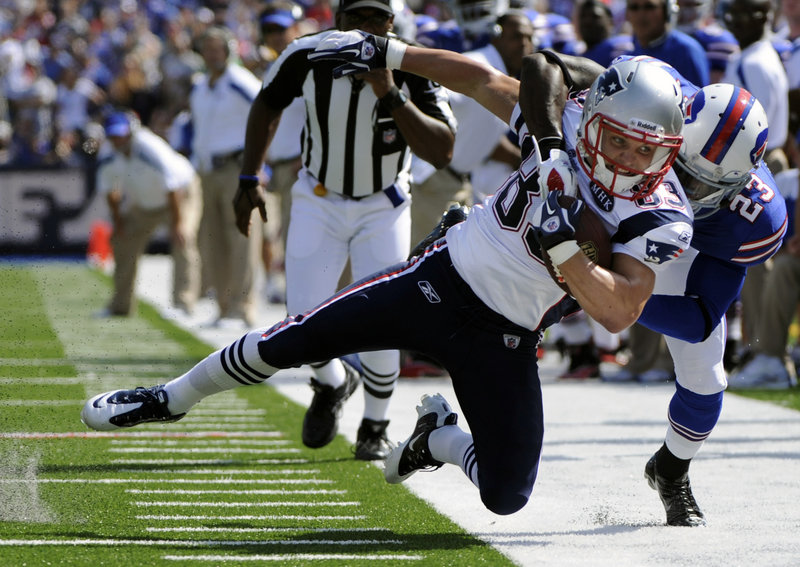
(360, 52)
(495, 91)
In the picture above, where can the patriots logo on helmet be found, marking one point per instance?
(608, 84)
(659, 252)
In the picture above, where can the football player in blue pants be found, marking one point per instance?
(740, 220)
(477, 300)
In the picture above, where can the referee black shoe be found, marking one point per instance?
(126, 408)
(372, 443)
(413, 454)
(676, 495)
(321, 422)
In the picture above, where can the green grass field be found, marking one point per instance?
(231, 484)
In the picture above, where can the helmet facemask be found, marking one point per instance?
(622, 181)
(705, 193)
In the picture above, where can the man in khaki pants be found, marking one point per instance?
(148, 184)
(220, 103)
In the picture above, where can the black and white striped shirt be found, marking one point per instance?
(351, 145)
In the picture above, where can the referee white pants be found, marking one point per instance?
(324, 231)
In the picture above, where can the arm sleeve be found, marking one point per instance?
(711, 287)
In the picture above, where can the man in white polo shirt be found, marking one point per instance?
(147, 184)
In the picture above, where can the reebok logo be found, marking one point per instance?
(428, 291)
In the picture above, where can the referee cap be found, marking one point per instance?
(118, 124)
(385, 5)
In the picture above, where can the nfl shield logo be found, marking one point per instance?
(511, 341)
(389, 136)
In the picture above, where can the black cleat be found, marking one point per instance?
(676, 495)
(126, 408)
(372, 443)
(452, 216)
(321, 422)
(413, 454)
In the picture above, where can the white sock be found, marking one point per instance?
(381, 370)
(331, 373)
(238, 364)
(450, 444)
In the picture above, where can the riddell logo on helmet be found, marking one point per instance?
(644, 125)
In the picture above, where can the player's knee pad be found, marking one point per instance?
(696, 413)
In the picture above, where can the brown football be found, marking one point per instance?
(592, 237)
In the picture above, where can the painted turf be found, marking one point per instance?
(591, 505)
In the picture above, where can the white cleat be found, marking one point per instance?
(413, 454)
(126, 408)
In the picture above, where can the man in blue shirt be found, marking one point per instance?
(653, 35)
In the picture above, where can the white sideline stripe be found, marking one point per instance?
(32, 403)
(221, 471)
(210, 424)
(203, 529)
(198, 450)
(182, 504)
(50, 381)
(228, 411)
(187, 542)
(199, 443)
(237, 492)
(294, 557)
(206, 462)
(175, 517)
(165, 481)
(137, 434)
(192, 417)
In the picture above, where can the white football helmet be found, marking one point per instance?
(478, 17)
(725, 136)
(643, 104)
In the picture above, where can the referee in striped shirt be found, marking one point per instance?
(351, 199)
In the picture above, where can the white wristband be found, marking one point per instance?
(395, 50)
(562, 252)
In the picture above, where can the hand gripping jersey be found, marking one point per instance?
(494, 252)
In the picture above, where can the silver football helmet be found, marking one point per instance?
(725, 136)
(478, 17)
(633, 103)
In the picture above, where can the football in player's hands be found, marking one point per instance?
(592, 237)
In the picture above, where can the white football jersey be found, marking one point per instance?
(495, 253)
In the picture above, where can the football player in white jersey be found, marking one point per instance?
(478, 299)
(740, 220)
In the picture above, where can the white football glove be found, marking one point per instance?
(556, 174)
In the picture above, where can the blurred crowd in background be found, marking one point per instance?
(66, 64)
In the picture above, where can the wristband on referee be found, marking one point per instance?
(395, 98)
(248, 181)
(395, 50)
(563, 251)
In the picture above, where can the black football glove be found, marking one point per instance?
(249, 195)
(555, 223)
(452, 216)
(358, 52)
